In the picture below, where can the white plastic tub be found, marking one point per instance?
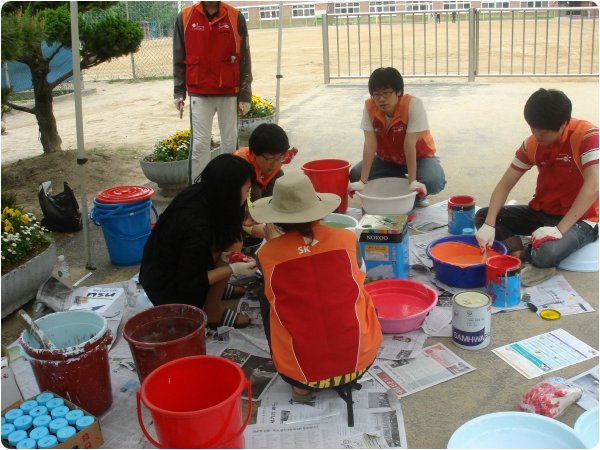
(387, 196)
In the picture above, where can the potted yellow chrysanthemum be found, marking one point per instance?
(261, 111)
(168, 164)
(28, 256)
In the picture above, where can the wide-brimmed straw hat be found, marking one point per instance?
(294, 200)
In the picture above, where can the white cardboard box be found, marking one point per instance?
(10, 389)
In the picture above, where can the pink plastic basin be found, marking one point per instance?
(401, 304)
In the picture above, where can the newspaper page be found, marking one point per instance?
(556, 293)
(430, 218)
(588, 381)
(435, 365)
(96, 299)
(314, 435)
(545, 353)
(260, 371)
(402, 346)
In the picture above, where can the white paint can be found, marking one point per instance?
(471, 320)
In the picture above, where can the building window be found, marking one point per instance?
(307, 10)
(269, 12)
(543, 4)
(419, 6)
(346, 7)
(457, 5)
(244, 12)
(382, 6)
(485, 5)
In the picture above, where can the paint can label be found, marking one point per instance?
(471, 320)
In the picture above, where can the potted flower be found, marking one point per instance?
(261, 111)
(168, 164)
(28, 256)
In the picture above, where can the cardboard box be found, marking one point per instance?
(384, 246)
(90, 437)
(10, 389)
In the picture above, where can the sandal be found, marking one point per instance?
(303, 399)
(232, 292)
(228, 319)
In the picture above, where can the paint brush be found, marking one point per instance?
(35, 330)
(484, 254)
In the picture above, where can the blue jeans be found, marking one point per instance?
(523, 220)
(429, 172)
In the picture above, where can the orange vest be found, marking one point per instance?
(390, 140)
(244, 152)
(323, 322)
(558, 183)
(212, 50)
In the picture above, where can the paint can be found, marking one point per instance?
(471, 320)
(503, 280)
(461, 209)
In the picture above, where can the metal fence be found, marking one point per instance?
(506, 42)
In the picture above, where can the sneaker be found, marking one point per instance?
(531, 275)
(422, 202)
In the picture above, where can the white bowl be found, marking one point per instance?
(387, 196)
(583, 260)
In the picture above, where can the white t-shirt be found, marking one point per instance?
(417, 118)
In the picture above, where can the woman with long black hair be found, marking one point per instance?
(186, 257)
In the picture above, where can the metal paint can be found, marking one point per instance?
(471, 320)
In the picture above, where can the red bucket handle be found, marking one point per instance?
(218, 436)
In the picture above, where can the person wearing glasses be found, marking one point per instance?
(268, 150)
(397, 139)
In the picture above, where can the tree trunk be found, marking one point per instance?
(43, 108)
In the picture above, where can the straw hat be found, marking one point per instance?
(294, 200)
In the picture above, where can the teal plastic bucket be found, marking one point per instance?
(514, 430)
(126, 227)
(586, 427)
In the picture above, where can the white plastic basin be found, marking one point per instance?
(387, 196)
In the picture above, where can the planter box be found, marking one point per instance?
(247, 126)
(20, 285)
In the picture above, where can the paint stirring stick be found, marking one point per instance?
(35, 330)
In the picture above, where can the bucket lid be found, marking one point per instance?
(125, 194)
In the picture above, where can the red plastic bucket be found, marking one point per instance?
(330, 175)
(164, 333)
(78, 369)
(503, 280)
(196, 402)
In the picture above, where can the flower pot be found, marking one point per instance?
(247, 126)
(166, 174)
(21, 284)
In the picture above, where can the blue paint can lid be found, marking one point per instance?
(47, 442)
(53, 403)
(16, 436)
(59, 411)
(84, 422)
(39, 432)
(44, 397)
(42, 421)
(73, 415)
(28, 406)
(7, 428)
(23, 423)
(27, 443)
(38, 411)
(57, 424)
(11, 415)
(65, 433)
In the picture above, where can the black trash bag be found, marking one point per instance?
(61, 211)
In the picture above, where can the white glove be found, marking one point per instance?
(485, 236)
(419, 188)
(356, 186)
(244, 269)
(244, 108)
(544, 234)
(178, 102)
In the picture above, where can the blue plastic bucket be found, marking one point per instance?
(126, 227)
(472, 276)
(514, 430)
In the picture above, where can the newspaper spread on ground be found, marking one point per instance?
(438, 322)
(588, 381)
(430, 218)
(402, 346)
(259, 370)
(556, 293)
(96, 299)
(545, 353)
(435, 365)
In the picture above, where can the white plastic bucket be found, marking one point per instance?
(583, 260)
(387, 196)
(514, 430)
(586, 427)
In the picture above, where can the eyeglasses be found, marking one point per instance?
(273, 158)
(382, 94)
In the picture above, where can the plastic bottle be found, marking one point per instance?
(62, 269)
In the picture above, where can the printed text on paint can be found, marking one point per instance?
(469, 338)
